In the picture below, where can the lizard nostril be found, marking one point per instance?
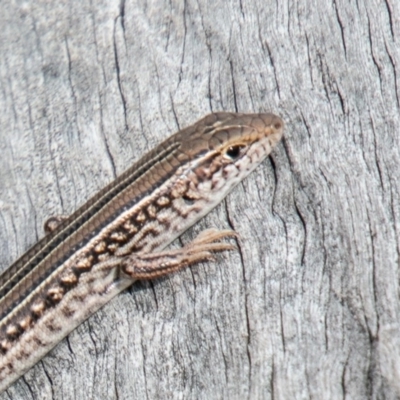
(278, 125)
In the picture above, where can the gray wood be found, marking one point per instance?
(308, 307)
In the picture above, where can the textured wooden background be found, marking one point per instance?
(308, 307)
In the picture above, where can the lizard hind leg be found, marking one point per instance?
(149, 266)
(52, 223)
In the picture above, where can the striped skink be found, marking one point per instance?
(119, 235)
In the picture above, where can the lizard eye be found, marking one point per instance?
(233, 152)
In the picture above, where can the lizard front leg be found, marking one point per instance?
(155, 265)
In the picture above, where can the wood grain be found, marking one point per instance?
(308, 307)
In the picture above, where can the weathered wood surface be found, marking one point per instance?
(308, 307)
